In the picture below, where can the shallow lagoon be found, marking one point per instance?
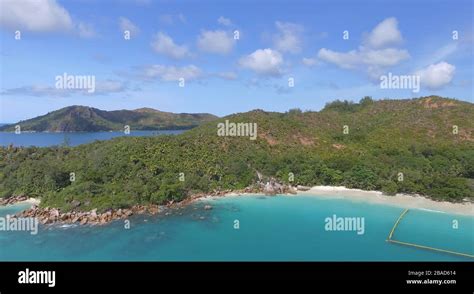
(282, 228)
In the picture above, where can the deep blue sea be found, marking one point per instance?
(281, 228)
(72, 139)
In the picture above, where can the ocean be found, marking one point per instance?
(41, 139)
(250, 228)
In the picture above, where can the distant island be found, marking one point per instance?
(89, 119)
(423, 146)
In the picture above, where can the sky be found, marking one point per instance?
(223, 57)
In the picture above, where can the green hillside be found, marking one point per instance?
(88, 119)
(388, 137)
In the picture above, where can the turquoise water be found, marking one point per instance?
(283, 228)
(73, 139)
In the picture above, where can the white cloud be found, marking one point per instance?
(364, 57)
(86, 30)
(219, 41)
(373, 56)
(346, 60)
(288, 38)
(224, 21)
(385, 34)
(35, 16)
(172, 73)
(384, 57)
(164, 44)
(437, 75)
(309, 61)
(263, 61)
(127, 25)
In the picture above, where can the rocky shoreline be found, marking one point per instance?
(52, 215)
(48, 215)
(13, 200)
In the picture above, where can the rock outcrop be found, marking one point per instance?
(93, 217)
(13, 199)
(52, 215)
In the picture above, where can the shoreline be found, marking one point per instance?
(410, 201)
(32, 201)
(19, 200)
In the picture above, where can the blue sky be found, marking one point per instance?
(278, 40)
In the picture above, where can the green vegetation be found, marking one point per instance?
(386, 138)
(88, 119)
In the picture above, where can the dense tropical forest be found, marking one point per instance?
(423, 145)
(89, 119)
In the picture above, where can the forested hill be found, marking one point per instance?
(423, 145)
(88, 119)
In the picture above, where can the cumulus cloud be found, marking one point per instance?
(384, 57)
(437, 75)
(164, 44)
(172, 73)
(263, 61)
(127, 25)
(220, 42)
(224, 21)
(373, 61)
(288, 38)
(364, 56)
(373, 56)
(345, 60)
(35, 16)
(385, 34)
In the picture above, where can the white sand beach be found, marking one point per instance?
(401, 200)
(377, 197)
(32, 201)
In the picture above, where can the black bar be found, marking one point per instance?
(108, 275)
